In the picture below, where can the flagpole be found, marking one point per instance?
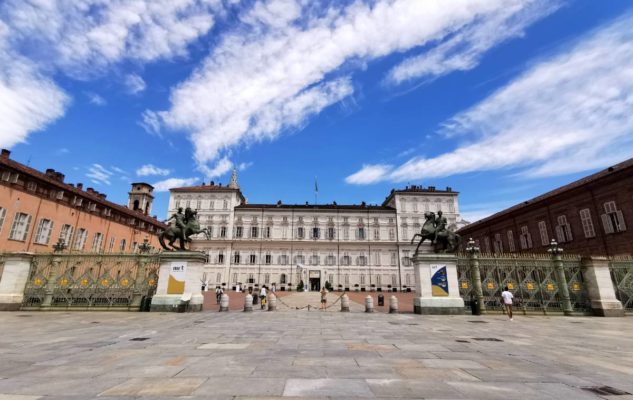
(316, 191)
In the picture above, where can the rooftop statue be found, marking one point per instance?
(436, 231)
(182, 227)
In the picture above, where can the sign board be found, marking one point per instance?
(439, 281)
(177, 272)
(315, 274)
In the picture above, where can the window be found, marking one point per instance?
(346, 279)
(587, 223)
(345, 260)
(498, 244)
(223, 232)
(316, 233)
(235, 277)
(266, 232)
(268, 258)
(3, 213)
(282, 279)
(378, 280)
(563, 230)
(111, 245)
(225, 205)
(218, 277)
(360, 235)
(44, 230)
(31, 186)
(254, 231)
(376, 258)
(238, 231)
(177, 204)
(415, 206)
(252, 259)
(251, 278)
(80, 239)
(362, 279)
(20, 228)
(511, 241)
(283, 259)
(198, 205)
(299, 259)
(330, 278)
(211, 205)
(66, 234)
(345, 233)
(300, 232)
(362, 260)
(314, 259)
(542, 230)
(406, 260)
(220, 258)
(612, 219)
(405, 231)
(392, 234)
(376, 234)
(394, 258)
(96, 242)
(210, 230)
(266, 278)
(407, 279)
(525, 238)
(122, 245)
(486, 244)
(330, 233)
(236, 258)
(330, 260)
(6, 175)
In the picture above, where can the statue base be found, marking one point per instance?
(436, 283)
(179, 278)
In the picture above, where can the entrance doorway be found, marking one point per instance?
(315, 284)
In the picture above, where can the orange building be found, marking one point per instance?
(38, 209)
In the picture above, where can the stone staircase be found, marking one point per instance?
(301, 300)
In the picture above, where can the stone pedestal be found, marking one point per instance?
(180, 272)
(13, 276)
(436, 283)
(600, 287)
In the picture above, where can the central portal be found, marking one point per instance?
(315, 280)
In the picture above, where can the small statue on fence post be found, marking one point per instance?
(435, 229)
(183, 227)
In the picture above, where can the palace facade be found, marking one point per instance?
(355, 247)
(587, 217)
(38, 209)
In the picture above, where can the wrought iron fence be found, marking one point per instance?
(112, 281)
(621, 269)
(530, 277)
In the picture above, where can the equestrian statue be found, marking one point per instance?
(181, 227)
(435, 230)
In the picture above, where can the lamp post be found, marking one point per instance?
(475, 275)
(555, 251)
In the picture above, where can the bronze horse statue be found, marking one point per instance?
(174, 232)
(443, 240)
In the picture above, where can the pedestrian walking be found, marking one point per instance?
(507, 297)
(262, 296)
(323, 298)
(218, 294)
(255, 296)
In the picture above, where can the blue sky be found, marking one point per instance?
(502, 100)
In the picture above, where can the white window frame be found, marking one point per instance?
(44, 231)
(20, 227)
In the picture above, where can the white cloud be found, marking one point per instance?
(165, 185)
(463, 50)
(82, 38)
(283, 64)
(134, 83)
(221, 167)
(149, 169)
(369, 174)
(570, 113)
(244, 165)
(96, 99)
(99, 175)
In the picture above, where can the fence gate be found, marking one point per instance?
(621, 269)
(530, 277)
(90, 281)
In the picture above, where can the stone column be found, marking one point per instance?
(52, 281)
(600, 287)
(13, 279)
(433, 298)
(140, 286)
(557, 260)
(179, 274)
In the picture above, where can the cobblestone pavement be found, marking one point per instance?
(91, 355)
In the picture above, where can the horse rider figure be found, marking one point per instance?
(440, 227)
(180, 222)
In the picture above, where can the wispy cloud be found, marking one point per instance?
(165, 185)
(244, 165)
(96, 99)
(569, 113)
(134, 83)
(99, 175)
(149, 169)
(283, 64)
(464, 49)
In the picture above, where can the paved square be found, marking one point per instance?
(310, 354)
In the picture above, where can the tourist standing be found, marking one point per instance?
(507, 297)
(218, 294)
(323, 298)
(262, 296)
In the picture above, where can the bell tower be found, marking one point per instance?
(140, 198)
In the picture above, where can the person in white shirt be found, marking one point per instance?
(507, 297)
(262, 296)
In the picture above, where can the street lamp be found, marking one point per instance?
(471, 247)
(554, 249)
(475, 275)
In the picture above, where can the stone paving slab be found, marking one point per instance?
(303, 355)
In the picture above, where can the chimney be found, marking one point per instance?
(431, 188)
(59, 176)
(5, 154)
(102, 195)
(90, 190)
(50, 172)
(80, 186)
